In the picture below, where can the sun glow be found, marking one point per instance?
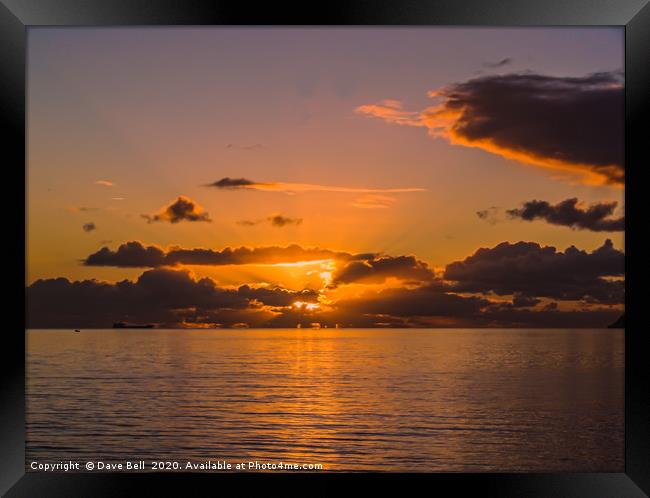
(297, 263)
(326, 277)
(306, 306)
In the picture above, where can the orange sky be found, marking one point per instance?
(123, 122)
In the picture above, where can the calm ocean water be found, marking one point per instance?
(387, 400)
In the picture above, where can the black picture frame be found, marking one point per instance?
(16, 16)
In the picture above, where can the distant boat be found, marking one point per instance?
(77, 330)
(125, 325)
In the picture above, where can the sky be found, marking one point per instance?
(417, 176)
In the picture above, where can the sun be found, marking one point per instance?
(306, 306)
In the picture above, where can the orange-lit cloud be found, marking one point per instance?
(105, 183)
(564, 123)
(374, 201)
(392, 111)
(522, 284)
(294, 188)
(377, 270)
(136, 255)
(526, 269)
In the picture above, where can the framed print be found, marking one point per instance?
(386, 244)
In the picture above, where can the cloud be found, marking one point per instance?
(377, 270)
(173, 299)
(392, 111)
(435, 305)
(232, 183)
(277, 296)
(135, 254)
(280, 221)
(105, 183)
(276, 220)
(530, 269)
(566, 123)
(258, 255)
(88, 227)
(568, 213)
(524, 270)
(128, 255)
(522, 284)
(292, 188)
(500, 63)
(374, 201)
(490, 215)
(166, 297)
(182, 209)
(428, 300)
(82, 209)
(520, 300)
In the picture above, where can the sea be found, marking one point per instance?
(379, 400)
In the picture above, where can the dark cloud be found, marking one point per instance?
(162, 296)
(541, 287)
(576, 121)
(280, 221)
(89, 227)
(171, 298)
(128, 255)
(535, 271)
(571, 123)
(500, 63)
(428, 300)
(432, 305)
(377, 270)
(245, 255)
(182, 209)
(278, 296)
(232, 183)
(567, 213)
(276, 220)
(135, 254)
(520, 300)
(491, 215)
